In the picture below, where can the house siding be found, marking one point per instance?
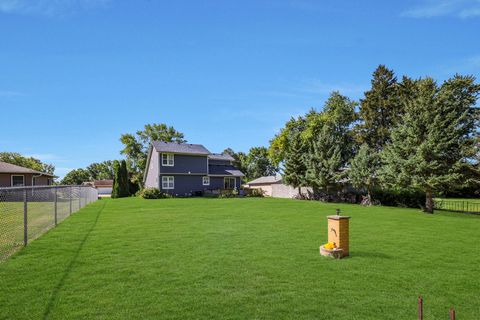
(217, 182)
(186, 164)
(185, 185)
(6, 179)
(151, 180)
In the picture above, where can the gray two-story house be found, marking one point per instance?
(188, 169)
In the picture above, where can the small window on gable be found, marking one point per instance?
(167, 159)
(18, 181)
(168, 183)
(206, 181)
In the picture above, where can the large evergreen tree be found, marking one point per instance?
(295, 168)
(323, 161)
(430, 149)
(380, 110)
(124, 187)
(362, 172)
(116, 180)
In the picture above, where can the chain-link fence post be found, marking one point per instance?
(79, 198)
(56, 200)
(71, 195)
(25, 217)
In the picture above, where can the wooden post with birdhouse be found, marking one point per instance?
(338, 245)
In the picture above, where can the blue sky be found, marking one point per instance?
(76, 74)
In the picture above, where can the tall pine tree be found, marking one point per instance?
(295, 168)
(431, 148)
(323, 161)
(380, 110)
(363, 170)
(121, 187)
(116, 179)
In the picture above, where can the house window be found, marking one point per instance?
(18, 181)
(206, 181)
(167, 160)
(168, 183)
(229, 183)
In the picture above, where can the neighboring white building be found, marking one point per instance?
(272, 186)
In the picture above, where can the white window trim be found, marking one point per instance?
(17, 175)
(234, 182)
(169, 156)
(167, 180)
(208, 181)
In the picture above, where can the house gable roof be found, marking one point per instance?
(103, 183)
(12, 168)
(183, 148)
(221, 156)
(224, 170)
(266, 180)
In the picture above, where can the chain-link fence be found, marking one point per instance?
(28, 212)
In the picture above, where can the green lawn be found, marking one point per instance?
(243, 259)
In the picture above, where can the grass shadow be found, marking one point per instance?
(69, 267)
(369, 254)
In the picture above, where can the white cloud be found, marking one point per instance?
(49, 7)
(438, 8)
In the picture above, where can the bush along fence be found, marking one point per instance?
(28, 212)
(457, 205)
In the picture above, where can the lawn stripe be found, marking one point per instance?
(70, 266)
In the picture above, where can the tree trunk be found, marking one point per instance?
(428, 202)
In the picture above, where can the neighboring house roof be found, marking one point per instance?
(11, 168)
(222, 156)
(266, 180)
(103, 183)
(224, 171)
(184, 148)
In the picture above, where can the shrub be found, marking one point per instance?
(152, 193)
(254, 193)
(399, 198)
(227, 193)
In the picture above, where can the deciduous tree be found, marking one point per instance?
(136, 146)
(26, 162)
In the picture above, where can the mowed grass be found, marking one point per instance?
(40, 218)
(243, 259)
